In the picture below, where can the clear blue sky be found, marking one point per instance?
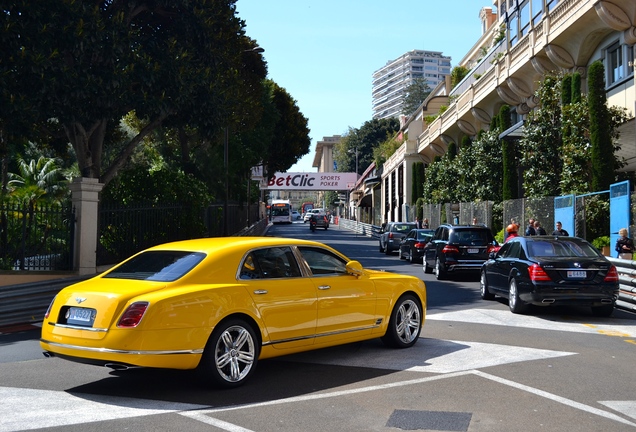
(324, 52)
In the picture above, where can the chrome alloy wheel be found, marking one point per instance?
(234, 353)
(408, 321)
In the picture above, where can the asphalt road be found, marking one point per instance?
(476, 367)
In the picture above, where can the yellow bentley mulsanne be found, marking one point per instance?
(221, 304)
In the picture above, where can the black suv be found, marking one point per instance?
(458, 248)
(392, 234)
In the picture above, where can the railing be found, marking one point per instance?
(627, 278)
(27, 303)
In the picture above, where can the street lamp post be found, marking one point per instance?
(226, 159)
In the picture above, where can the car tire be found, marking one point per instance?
(516, 305)
(405, 323)
(603, 311)
(381, 248)
(387, 250)
(411, 258)
(483, 288)
(400, 256)
(231, 354)
(440, 273)
(427, 269)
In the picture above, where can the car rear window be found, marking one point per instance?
(403, 228)
(160, 266)
(471, 237)
(562, 248)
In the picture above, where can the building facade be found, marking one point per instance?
(391, 81)
(523, 41)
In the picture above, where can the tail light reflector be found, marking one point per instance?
(450, 249)
(48, 311)
(612, 275)
(133, 314)
(419, 245)
(390, 235)
(537, 274)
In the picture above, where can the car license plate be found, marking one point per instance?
(473, 251)
(81, 316)
(577, 274)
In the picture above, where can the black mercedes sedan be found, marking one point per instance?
(546, 270)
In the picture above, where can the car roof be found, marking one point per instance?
(216, 244)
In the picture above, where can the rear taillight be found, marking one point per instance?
(48, 311)
(419, 245)
(450, 249)
(612, 275)
(133, 314)
(537, 274)
(390, 235)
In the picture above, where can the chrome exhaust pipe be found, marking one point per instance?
(607, 301)
(117, 366)
(548, 301)
(48, 354)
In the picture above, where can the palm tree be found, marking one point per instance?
(38, 181)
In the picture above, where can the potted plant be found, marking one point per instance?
(603, 244)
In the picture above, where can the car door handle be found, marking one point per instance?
(324, 287)
(259, 292)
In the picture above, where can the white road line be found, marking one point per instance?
(25, 409)
(607, 326)
(559, 399)
(197, 415)
(541, 393)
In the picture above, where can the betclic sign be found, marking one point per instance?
(320, 181)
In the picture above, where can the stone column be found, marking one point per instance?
(85, 193)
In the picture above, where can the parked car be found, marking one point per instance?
(412, 246)
(392, 233)
(295, 215)
(546, 271)
(458, 249)
(221, 304)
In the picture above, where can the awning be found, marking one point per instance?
(514, 132)
(366, 201)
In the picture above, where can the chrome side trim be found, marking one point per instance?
(126, 352)
(319, 335)
(76, 327)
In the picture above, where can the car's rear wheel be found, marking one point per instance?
(483, 287)
(400, 256)
(381, 248)
(515, 304)
(411, 257)
(427, 269)
(405, 323)
(440, 273)
(603, 311)
(231, 353)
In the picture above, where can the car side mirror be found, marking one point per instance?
(354, 268)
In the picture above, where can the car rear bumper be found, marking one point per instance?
(575, 296)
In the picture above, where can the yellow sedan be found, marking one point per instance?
(221, 304)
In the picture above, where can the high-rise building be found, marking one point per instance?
(391, 81)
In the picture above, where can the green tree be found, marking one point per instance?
(458, 73)
(540, 146)
(88, 64)
(40, 181)
(603, 159)
(414, 94)
(371, 136)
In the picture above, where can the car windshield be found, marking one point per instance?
(561, 248)
(160, 266)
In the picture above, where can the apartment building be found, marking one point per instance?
(522, 42)
(391, 81)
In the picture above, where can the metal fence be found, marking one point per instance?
(126, 230)
(36, 237)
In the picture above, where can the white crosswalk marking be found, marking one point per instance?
(55, 408)
(609, 326)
